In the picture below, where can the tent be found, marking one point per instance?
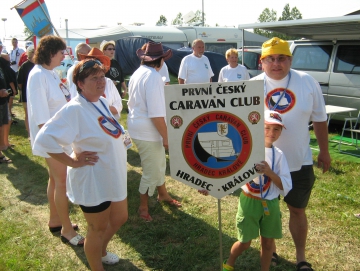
(125, 54)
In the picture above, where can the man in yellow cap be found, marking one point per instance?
(298, 97)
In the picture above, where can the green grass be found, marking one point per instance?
(183, 239)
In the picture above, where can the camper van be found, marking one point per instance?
(335, 65)
(220, 39)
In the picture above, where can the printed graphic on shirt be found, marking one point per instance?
(275, 100)
(238, 75)
(206, 66)
(108, 126)
(65, 91)
(254, 188)
(114, 72)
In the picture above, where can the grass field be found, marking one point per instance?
(183, 239)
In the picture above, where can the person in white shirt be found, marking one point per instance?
(195, 68)
(298, 97)
(46, 95)
(259, 209)
(233, 71)
(96, 178)
(147, 125)
(15, 54)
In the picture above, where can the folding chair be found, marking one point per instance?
(352, 129)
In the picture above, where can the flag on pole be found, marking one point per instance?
(35, 16)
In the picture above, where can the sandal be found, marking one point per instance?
(302, 264)
(227, 267)
(145, 217)
(73, 241)
(5, 160)
(110, 258)
(58, 228)
(274, 259)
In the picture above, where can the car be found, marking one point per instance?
(335, 64)
(252, 61)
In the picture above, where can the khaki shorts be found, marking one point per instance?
(302, 183)
(153, 163)
(251, 220)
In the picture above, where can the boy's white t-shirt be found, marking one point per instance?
(164, 72)
(146, 101)
(302, 103)
(46, 95)
(195, 69)
(80, 125)
(270, 190)
(228, 74)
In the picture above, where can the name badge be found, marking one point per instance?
(127, 140)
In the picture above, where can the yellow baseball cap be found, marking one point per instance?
(275, 46)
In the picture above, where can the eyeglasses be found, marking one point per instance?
(89, 64)
(110, 49)
(279, 59)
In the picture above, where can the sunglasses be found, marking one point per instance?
(89, 64)
(271, 59)
(110, 49)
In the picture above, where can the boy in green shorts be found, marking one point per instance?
(259, 210)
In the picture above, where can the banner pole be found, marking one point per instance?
(220, 234)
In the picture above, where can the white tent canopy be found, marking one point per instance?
(332, 28)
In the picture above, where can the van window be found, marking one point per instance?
(348, 59)
(251, 60)
(220, 48)
(311, 57)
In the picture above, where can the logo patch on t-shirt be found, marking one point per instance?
(206, 66)
(282, 104)
(114, 72)
(108, 126)
(238, 76)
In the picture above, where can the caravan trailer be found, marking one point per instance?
(220, 39)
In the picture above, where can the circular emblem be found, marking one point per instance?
(176, 122)
(281, 103)
(254, 117)
(216, 144)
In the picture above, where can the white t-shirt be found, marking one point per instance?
(302, 103)
(270, 190)
(80, 124)
(195, 70)
(69, 75)
(164, 72)
(146, 101)
(15, 56)
(46, 94)
(228, 74)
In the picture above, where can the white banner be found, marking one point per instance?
(216, 134)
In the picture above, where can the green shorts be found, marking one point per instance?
(251, 219)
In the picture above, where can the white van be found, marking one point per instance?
(335, 65)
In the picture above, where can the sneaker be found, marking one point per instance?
(227, 267)
(110, 258)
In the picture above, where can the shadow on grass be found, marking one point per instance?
(176, 240)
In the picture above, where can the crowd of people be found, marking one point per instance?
(76, 128)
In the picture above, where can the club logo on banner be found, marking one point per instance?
(216, 134)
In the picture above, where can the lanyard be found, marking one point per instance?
(108, 118)
(281, 96)
(260, 177)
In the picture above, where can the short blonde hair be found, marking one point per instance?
(231, 51)
(196, 41)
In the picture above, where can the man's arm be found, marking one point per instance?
(321, 133)
(181, 81)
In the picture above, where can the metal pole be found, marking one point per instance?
(66, 27)
(220, 234)
(203, 13)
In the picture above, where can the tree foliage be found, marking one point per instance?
(270, 16)
(198, 17)
(178, 20)
(162, 20)
(27, 32)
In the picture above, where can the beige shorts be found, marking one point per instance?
(153, 163)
